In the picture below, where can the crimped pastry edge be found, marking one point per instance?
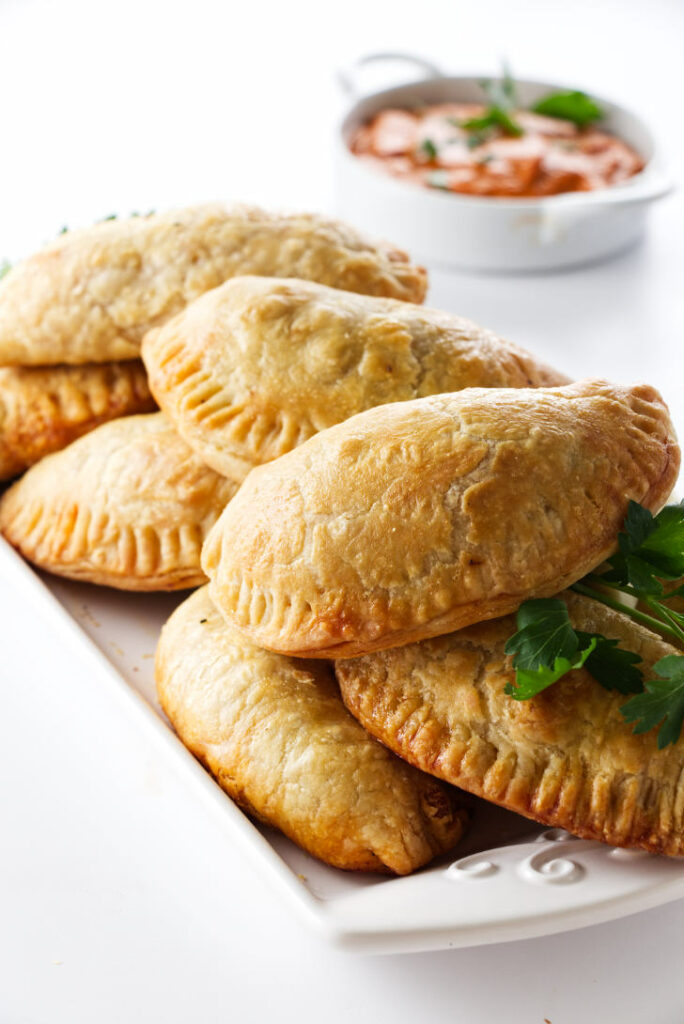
(585, 805)
(297, 619)
(28, 434)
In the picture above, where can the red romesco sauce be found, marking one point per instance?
(430, 147)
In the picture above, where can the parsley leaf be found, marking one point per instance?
(639, 523)
(546, 647)
(502, 99)
(570, 105)
(530, 682)
(650, 549)
(664, 546)
(544, 634)
(611, 665)
(494, 117)
(5, 267)
(428, 149)
(662, 701)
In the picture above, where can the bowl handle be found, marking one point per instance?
(348, 78)
(570, 208)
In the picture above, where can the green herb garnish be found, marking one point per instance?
(611, 665)
(662, 701)
(438, 179)
(570, 105)
(428, 149)
(651, 549)
(501, 92)
(502, 99)
(5, 267)
(507, 84)
(546, 647)
(476, 139)
(494, 117)
(544, 634)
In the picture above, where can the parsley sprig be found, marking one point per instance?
(501, 95)
(570, 105)
(428, 150)
(546, 647)
(566, 104)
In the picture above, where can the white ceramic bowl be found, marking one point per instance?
(486, 233)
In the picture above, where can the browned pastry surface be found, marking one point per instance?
(253, 368)
(417, 518)
(564, 758)
(92, 294)
(126, 506)
(277, 737)
(43, 409)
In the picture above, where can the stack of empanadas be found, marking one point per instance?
(89, 298)
(416, 519)
(371, 488)
(72, 319)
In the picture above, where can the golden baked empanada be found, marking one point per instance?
(417, 518)
(565, 758)
(277, 737)
(91, 295)
(255, 367)
(44, 408)
(128, 506)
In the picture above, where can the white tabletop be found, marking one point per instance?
(107, 911)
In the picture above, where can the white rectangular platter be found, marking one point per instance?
(508, 879)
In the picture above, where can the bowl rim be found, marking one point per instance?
(652, 175)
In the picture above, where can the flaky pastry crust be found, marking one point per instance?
(92, 294)
(126, 506)
(564, 758)
(43, 409)
(253, 368)
(418, 518)
(277, 737)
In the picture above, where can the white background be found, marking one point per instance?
(107, 912)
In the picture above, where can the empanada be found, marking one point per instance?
(277, 737)
(43, 409)
(417, 518)
(565, 758)
(128, 506)
(257, 366)
(92, 294)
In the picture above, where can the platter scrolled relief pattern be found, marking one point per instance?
(554, 858)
